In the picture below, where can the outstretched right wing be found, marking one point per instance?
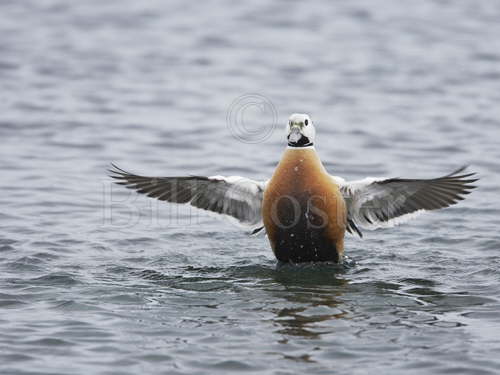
(237, 197)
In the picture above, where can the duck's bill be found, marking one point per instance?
(294, 135)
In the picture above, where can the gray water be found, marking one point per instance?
(96, 280)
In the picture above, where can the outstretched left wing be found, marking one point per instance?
(377, 203)
(237, 197)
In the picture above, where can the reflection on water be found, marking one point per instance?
(313, 290)
(305, 300)
(304, 321)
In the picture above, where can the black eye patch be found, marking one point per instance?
(306, 122)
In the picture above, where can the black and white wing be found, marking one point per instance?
(237, 197)
(379, 203)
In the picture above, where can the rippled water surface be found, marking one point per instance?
(94, 280)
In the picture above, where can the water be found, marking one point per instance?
(95, 280)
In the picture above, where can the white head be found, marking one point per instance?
(300, 130)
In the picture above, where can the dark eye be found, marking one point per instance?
(306, 122)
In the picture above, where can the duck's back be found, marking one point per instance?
(303, 210)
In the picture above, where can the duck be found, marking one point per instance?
(305, 211)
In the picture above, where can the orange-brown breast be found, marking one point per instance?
(303, 210)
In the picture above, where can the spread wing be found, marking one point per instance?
(378, 203)
(237, 197)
